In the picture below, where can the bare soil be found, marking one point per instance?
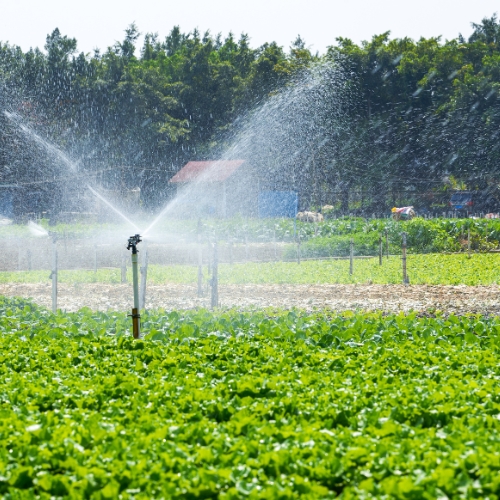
(389, 298)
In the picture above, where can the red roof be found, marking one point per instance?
(207, 171)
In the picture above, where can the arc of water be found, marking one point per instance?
(66, 160)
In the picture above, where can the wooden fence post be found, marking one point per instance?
(351, 257)
(53, 275)
(200, 261)
(298, 247)
(405, 275)
(215, 279)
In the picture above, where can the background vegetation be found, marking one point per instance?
(424, 115)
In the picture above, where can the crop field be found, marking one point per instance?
(266, 404)
(431, 269)
(256, 402)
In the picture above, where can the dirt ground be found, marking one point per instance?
(390, 298)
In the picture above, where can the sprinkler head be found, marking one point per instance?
(133, 241)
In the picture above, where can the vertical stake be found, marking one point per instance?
(124, 269)
(406, 281)
(215, 279)
(351, 257)
(133, 241)
(53, 275)
(275, 245)
(380, 251)
(28, 255)
(298, 247)
(386, 243)
(200, 261)
(468, 242)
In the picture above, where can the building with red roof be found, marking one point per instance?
(218, 188)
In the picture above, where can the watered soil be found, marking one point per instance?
(425, 299)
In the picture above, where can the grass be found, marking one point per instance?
(431, 269)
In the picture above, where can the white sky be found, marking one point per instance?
(99, 23)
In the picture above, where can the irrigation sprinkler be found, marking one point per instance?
(406, 281)
(214, 302)
(133, 241)
(386, 243)
(468, 242)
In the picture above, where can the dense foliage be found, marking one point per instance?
(265, 405)
(324, 239)
(424, 114)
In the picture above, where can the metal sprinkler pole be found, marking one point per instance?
(133, 241)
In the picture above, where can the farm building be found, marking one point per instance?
(216, 188)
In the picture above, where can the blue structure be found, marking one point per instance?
(7, 200)
(278, 204)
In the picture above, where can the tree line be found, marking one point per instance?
(421, 116)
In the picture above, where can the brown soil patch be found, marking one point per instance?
(389, 298)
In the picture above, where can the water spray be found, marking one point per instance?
(133, 241)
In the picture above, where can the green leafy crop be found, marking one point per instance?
(263, 404)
